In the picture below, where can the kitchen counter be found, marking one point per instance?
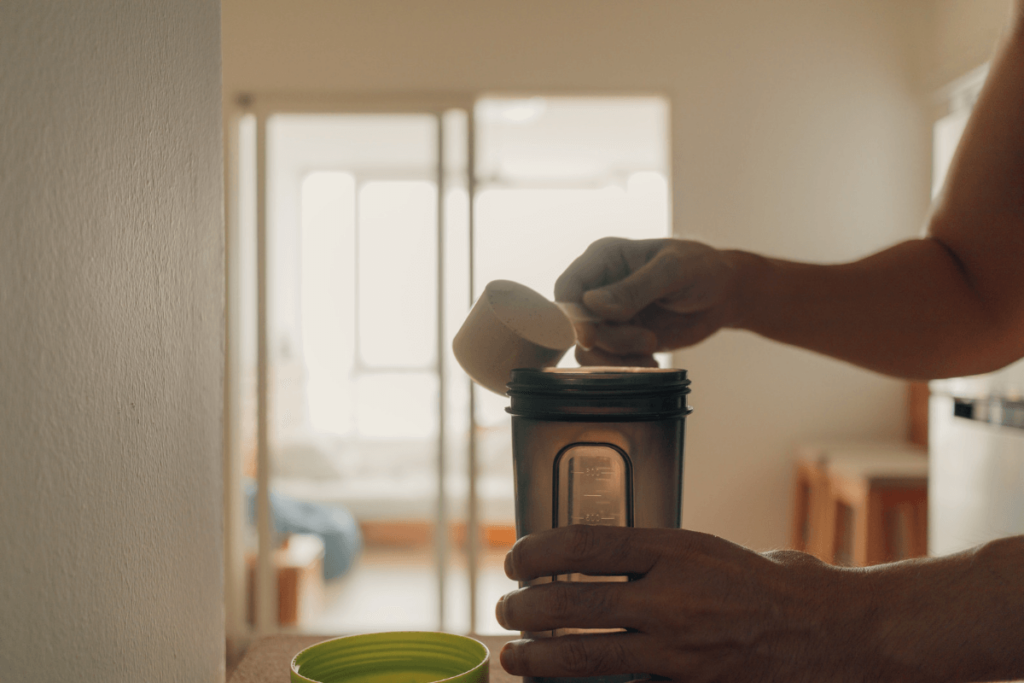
(267, 660)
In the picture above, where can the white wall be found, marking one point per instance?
(111, 318)
(960, 36)
(799, 129)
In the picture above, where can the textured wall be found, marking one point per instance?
(110, 341)
(797, 130)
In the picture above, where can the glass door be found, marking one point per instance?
(349, 233)
(359, 236)
(353, 233)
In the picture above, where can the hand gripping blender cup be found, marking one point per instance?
(600, 445)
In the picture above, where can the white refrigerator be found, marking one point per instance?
(976, 460)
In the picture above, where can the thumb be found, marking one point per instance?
(660, 277)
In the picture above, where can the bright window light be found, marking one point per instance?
(398, 274)
(397, 406)
(328, 297)
(354, 311)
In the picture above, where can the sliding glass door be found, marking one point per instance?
(357, 451)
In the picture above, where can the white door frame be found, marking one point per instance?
(262, 107)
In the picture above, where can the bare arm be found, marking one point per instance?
(952, 618)
(951, 303)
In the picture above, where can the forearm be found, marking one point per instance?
(953, 618)
(950, 304)
(907, 311)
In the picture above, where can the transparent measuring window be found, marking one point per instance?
(593, 483)
(594, 486)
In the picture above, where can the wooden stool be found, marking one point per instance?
(300, 579)
(861, 503)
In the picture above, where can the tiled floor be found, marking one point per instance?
(397, 589)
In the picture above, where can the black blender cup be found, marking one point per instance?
(598, 445)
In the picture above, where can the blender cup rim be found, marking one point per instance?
(599, 394)
(596, 379)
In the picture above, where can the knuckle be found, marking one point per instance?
(613, 656)
(605, 244)
(576, 660)
(669, 262)
(599, 601)
(582, 541)
(561, 601)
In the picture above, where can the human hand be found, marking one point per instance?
(698, 608)
(653, 295)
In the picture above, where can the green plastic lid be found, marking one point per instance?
(396, 657)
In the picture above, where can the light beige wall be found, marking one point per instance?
(798, 130)
(111, 291)
(961, 36)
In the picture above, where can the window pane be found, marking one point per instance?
(647, 205)
(398, 274)
(563, 139)
(354, 450)
(396, 405)
(531, 235)
(328, 297)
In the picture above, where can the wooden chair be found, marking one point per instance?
(810, 503)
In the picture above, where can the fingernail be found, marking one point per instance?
(508, 658)
(584, 337)
(499, 612)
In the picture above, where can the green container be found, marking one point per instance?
(397, 657)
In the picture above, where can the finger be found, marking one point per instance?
(660, 277)
(597, 266)
(595, 550)
(579, 655)
(565, 604)
(624, 340)
(586, 333)
(598, 357)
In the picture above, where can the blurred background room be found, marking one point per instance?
(238, 238)
(407, 154)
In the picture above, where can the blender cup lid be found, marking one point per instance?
(597, 377)
(599, 393)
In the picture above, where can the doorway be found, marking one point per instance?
(359, 236)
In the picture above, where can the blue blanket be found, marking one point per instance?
(335, 525)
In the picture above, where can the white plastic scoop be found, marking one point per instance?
(511, 326)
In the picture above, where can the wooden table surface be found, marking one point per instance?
(268, 659)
